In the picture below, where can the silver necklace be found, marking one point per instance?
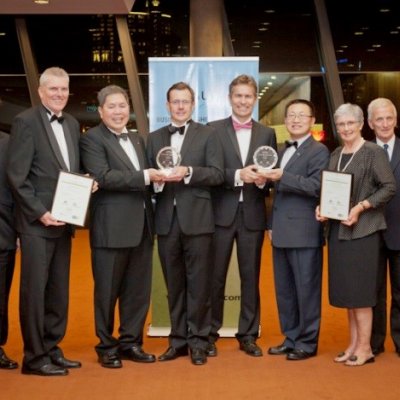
(351, 158)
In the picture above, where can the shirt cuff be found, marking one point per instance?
(238, 181)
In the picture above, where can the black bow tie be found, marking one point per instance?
(172, 129)
(288, 144)
(122, 136)
(54, 117)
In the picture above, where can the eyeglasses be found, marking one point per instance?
(180, 102)
(348, 124)
(301, 117)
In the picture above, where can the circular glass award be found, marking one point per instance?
(167, 159)
(265, 157)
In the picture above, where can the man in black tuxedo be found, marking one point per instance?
(8, 239)
(185, 223)
(121, 229)
(240, 212)
(44, 141)
(382, 118)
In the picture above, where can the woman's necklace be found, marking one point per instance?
(351, 158)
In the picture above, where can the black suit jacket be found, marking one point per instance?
(226, 196)
(34, 163)
(392, 214)
(7, 232)
(118, 208)
(200, 150)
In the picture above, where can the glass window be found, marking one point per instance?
(281, 33)
(79, 44)
(14, 98)
(11, 60)
(367, 39)
(361, 88)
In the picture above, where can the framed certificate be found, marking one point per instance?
(335, 194)
(71, 199)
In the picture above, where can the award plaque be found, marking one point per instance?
(265, 157)
(335, 195)
(71, 199)
(167, 159)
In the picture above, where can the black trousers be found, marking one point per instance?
(390, 262)
(7, 262)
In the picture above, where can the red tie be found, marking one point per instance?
(237, 125)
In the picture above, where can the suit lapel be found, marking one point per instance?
(189, 136)
(112, 143)
(299, 152)
(52, 139)
(73, 159)
(253, 144)
(394, 162)
(233, 138)
(138, 149)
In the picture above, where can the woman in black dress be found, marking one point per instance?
(354, 243)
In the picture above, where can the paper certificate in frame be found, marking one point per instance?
(71, 200)
(335, 195)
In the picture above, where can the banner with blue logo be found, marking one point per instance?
(210, 78)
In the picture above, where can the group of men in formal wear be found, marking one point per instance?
(213, 199)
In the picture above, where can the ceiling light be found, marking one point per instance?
(273, 77)
(370, 50)
(262, 29)
(41, 2)
(270, 83)
(394, 32)
(384, 10)
(359, 33)
(376, 45)
(269, 11)
(344, 46)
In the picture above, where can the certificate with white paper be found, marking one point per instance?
(335, 195)
(71, 200)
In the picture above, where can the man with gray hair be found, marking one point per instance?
(382, 118)
(44, 141)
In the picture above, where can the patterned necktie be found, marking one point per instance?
(386, 148)
(237, 125)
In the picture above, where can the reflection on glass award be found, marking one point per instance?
(167, 159)
(265, 157)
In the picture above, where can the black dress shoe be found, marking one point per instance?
(211, 350)
(65, 363)
(198, 356)
(251, 348)
(279, 350)
(299, 354)
(7, 363)
(45, 370)
(171, 353)
(110, 360)
(377, 350)
(136, 353)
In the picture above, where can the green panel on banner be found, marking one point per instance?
(160, 322)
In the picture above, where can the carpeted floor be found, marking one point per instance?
(231, 375)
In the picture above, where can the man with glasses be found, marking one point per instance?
(296, 235)
(185, 223)
(382, 118)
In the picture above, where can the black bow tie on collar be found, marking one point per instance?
(54, 117)
(122, 136)
(288, 144)
(172, 129)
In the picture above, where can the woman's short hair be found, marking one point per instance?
(349, 109)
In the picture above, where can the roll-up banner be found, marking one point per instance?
(210, 78)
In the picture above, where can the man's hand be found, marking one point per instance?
(272, 174)
(48, 220)
(156, 175)
(177, 174)
(249, 174)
